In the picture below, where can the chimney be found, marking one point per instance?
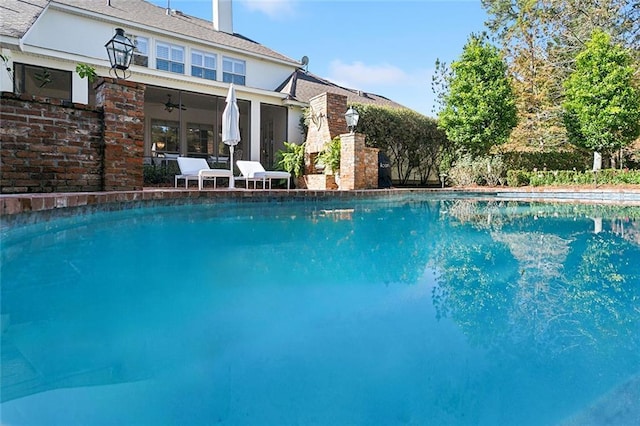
(222, 16)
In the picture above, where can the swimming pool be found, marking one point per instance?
(413, 311)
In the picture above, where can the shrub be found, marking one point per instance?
(291, 158)
(463, 172)
(155, 175)
(517, 178)
(330, 155)
(573, 177)
(487, 170)
(568, 160)
(490, 170)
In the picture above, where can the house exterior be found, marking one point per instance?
(182, 64)
(186, 64)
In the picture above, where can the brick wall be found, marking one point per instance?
(49, 146)
(53, 146)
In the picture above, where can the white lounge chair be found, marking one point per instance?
(198, 169)
(252, 171)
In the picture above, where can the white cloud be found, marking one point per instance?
(274, 9)
(409, 88)
(359, 75)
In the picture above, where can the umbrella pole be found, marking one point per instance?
(232, 183)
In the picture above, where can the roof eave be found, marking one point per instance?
(9, 42)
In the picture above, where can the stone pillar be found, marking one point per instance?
(352, 161)
(123, 133)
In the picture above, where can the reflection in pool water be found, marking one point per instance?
(419, 311)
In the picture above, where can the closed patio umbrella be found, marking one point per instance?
(231, 126)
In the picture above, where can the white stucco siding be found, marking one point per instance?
(266, 75)
(69, 34)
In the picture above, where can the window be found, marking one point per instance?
(170, 58)
(199, 140)
(203, 65)
(164, 137)
(233, 71)
(141, 52)
(41, 81)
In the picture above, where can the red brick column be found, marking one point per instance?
(123, 105)
(352, 161)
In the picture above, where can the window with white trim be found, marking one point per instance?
(170, 57)
(233, 71)
(141, 51)
(203, 65)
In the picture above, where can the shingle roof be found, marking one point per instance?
(302, 86)
(19, 15)
(16, 16)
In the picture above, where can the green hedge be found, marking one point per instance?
(572, 177)
(578, 160)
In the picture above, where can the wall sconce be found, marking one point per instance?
(120, 51)
(352, 118)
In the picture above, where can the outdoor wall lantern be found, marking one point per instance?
(352, 117)
(120, 51)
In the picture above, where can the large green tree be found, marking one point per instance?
(602, 104)
(540, 40)
(478, 103)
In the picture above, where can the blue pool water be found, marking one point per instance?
(416, 311)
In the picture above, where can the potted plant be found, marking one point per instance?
(291, 159)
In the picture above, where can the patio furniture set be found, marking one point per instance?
(197, 169)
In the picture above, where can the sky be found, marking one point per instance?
(386, 47)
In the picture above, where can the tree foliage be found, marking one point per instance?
(479, 107)
(540, 40)
(602, 106)
(413, 142)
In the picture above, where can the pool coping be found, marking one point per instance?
(12, 205)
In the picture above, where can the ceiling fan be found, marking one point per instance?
(169, 106)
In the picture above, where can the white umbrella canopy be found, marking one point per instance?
(231, 125)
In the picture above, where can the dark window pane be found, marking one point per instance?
(196, 71)
(210, 74)
(162, 64)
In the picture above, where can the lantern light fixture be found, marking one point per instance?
(352, 117)
(120, 50)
